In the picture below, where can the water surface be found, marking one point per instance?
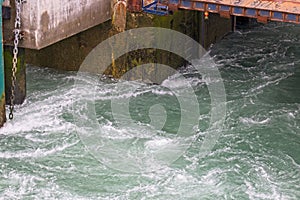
(256, 157)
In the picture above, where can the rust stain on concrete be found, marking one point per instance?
(119, 16)
(45, 20)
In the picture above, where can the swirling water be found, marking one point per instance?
(256, 157)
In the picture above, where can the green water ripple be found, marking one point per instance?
(256, 157)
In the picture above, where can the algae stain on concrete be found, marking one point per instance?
(2, 109)
(45, 20)
(174, 22)
(70, 53)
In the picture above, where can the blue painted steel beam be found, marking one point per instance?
(2, 87)
(250, 12)
(199, 5)
(154, 8)
(186, 3)
(291, 17)
(224, 8)
(278, 15)
(212, 7)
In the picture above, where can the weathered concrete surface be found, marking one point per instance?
(2, 110)
(119, 16)
(214, 29)
(46, 22)
(20, 88)
(70, 53)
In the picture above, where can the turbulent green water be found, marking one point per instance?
(256, 157)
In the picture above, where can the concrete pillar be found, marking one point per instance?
(70, 53)
(233, 18)
(2, 107)
(213, 29)
(2, 91)
(20, 90)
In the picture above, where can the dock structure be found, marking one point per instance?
(47, 22)
(262, 10)
(44, 23)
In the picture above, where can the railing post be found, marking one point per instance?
(2, 87)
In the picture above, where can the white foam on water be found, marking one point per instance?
(36, 153)
(254, 121)
(23, 186)
(240, 166)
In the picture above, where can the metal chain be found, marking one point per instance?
(15, 56)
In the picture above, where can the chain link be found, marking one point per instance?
(15, 55)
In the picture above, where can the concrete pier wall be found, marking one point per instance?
(56, 40)
(69, 53)
(46, 22)
(213, 29)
